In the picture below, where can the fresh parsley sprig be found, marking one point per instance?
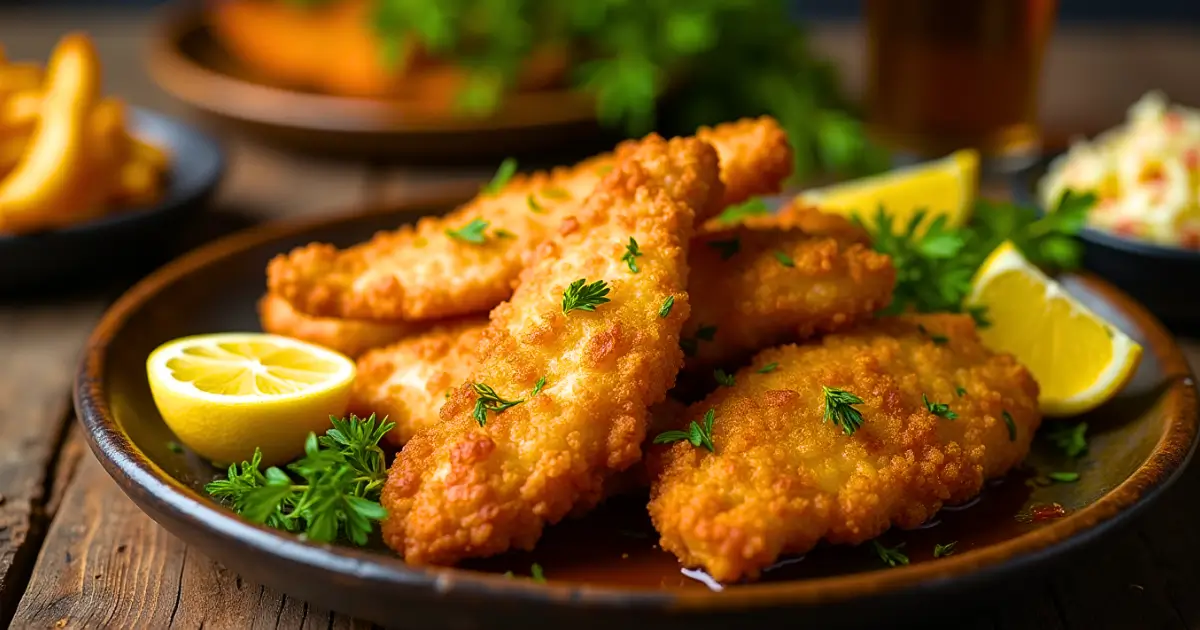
(666, 307)
(631, 254)
(472, 232)
(839, 409)
(489, 400)
(698, 435)
(504, 173)
(891, 556)
(941, 551)
(938, 409)
(723, 378)
(752, 207)
(1070, 438)
(581, 296)
(330, 493)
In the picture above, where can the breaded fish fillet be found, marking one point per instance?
(756, 288)
(422, 272)
(410, 380)
(571, 388)
(351, 337)
(782, 478)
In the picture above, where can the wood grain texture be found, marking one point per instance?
(38, 349)
(105, 564)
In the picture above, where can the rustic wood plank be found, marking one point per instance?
(106, 564)
(38, 348)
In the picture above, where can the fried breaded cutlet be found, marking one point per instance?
(424, 271)
(755, 288)
(752, 299)
(782, 478)
(571, 386)
(351, 337)
(407, 382)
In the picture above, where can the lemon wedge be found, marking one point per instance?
(1078, 359)
(225, 394)
(944, 187)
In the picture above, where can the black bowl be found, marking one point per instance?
(1158, 276)
(90, 251)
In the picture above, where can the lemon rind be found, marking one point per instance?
(1125, 351)
(156, 363)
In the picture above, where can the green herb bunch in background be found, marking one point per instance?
(666, 64)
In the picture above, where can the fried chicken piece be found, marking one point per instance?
(421, 272)
(351, 337)
(483, 481)
(781, 478)
(756, 288)
(409, 380)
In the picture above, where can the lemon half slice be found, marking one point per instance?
(941, 187)
(1078, 359)
(227, 393)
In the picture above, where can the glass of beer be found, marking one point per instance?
(950, 74)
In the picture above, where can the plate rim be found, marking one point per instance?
(189, 81)
(142, 479)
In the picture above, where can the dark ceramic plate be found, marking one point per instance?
(188, 62)
(84, 252)
(1160, 277)
(604, 570)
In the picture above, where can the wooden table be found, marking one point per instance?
(74, 552)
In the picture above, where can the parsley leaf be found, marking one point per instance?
(937, 339)
(507, 169)
(1063, 477)
(665, 309)
(961, 391)
(697, 435)
(752, 207)
(770, 367)
(330, 493)
(891, 556)
(489, 400)
(534, 206)
(938, 409)
(941, 551)
(1072, 439)
(584, 297)
(1012, 426)
(471, 232)
(723, 378)
(537, 387)
(840, 411)
(631, 254)
(784, 259)
(535, 572)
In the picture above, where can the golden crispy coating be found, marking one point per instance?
(461, 490)
(782, 479)
(351, 337)
(420, 272)
(408, 381)
(811, 220)
(756, 288)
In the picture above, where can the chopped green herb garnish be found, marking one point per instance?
(1072, 439)
(727, 247)
(536, 573)
(489, 400)
(840, 411)
(581, 296)
(331, 492)
(938, 409)
(534, 206)
(941, 551)
(1012, 426)
(631, 254)
(665, 309)
(752, 207)
(1063, 477)
(938, 339)
(697, 435)
(723, 378)
(892, 557)
(770, 367)
(961, 391)
(784, 259)
(507, 169)
(471, 232)
(537, 387)
(503, 233)
(174, 447)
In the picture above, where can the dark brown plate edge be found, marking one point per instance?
(244, 100)
(142, 480)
